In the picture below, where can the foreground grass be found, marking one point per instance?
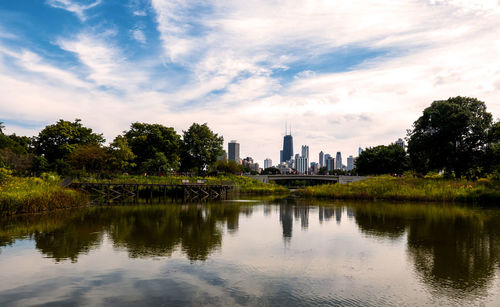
(31, 195)
(410, 189)
(243, 184)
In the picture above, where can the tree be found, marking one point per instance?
(323, 170)
(55, 142)
(158, 164)
(491, 161)
(450, 135)
(122, 156)
(90, 157)
(228, 167)
(382, 160)
(147, 140)
(200, 148)
(271, 171)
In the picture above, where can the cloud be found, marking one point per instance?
(139, 36)
(71, 6)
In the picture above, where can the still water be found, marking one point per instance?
(276, 252)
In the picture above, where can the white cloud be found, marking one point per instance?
(139, 36)
(71, 6)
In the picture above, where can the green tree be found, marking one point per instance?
(382, 160)
(451, 135)
(323, 170)
(271, 171)
(200, 148)
(227, 167)
(122, 156)
(91, 157)
(491, 161)
(158, 164)
(55, 142)
(147, 140)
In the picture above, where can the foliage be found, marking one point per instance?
(20, 163)
(227, 167)
(391, 159)
(149, 141)
(122, 156)
(271, 171)
(89, 157)
(56, 142)
(410, 189)
(450, 135)
(323, 170)
(200, 148)
(30, 195)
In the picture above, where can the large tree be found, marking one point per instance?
(450, 135)
(200, 148)
(382, 159)
(148, 141)
(55, 142)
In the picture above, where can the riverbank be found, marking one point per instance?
(409, 189)
(32, 195)
(242, 184)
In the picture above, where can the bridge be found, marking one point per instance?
(319, 178)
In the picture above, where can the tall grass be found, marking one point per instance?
(409, 189)
(30, 195)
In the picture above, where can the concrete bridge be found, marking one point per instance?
(323, 178)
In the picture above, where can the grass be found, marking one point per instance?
(31, 195)
(243, 184)
(410, 189)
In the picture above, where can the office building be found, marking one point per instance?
(305, 151)
(233, 151)
(338, 163)
(321, 159)
(287, 148)
(268, 163)
(314, 168)
(302, 165)
(400, 143)
(281, 156)
(330, 163)
(350, 163)
(360, 150)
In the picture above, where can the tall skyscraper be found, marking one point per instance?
(305, 151)
(302, 165)
(350, 163)
(268, 163)
(330, 163)
(400, 143)
(281, 156)
(287, 147)
(321, 159)
(360, 150)
(338, 163)
(233, 151)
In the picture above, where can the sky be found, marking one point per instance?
(343, 73)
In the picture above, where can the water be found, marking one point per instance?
(284, 253)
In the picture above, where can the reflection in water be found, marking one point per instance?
(453, 251)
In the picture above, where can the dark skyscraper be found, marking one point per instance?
(287, 147)
(234, 151)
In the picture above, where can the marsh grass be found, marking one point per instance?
(410, 189)
(243, 184)
(30, 195)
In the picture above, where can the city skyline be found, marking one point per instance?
(244, 69)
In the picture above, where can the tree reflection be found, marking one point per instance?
(152, 231)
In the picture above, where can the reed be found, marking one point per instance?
(31, 195)
(410, 189)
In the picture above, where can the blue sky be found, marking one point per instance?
(344, 73)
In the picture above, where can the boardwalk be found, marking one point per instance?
(109, 192)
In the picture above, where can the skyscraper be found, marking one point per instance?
(338, 162)
(350, 163)
(281, 156)
(321, 159)
(233, 151)
(400, 143)
(305, 151)
(302, 165)
(330, 163)
(360, 150)
(268, 163)
(287, 147)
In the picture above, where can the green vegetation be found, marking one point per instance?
(242, 184)
(410, 189)
(30, 195)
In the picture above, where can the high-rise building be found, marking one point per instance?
(305, 151)
(302, 165)
(321, 159)
(350, 163)
(400, 143)
(281, 156)
(360, 150)
(287, 147)
(330, 163)
(233, 151)
(338, 163)
(268, 163)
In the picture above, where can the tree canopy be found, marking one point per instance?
(382, 159)
(450, 135)
(200, 148)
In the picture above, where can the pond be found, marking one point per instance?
(267, 252)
